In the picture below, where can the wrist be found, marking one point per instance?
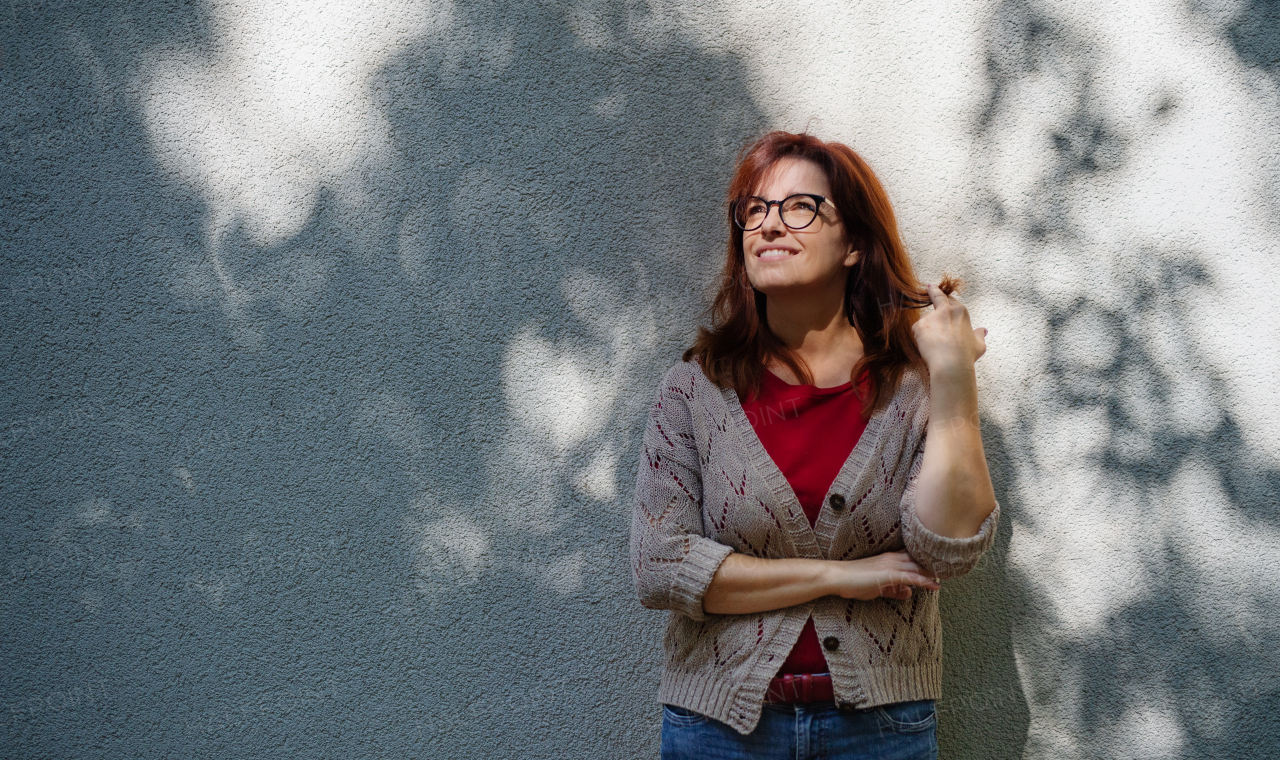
(951, 370)
(826, 581)
(953, 389)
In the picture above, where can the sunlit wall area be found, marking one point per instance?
(330, 328)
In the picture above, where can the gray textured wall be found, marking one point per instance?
(329, 328)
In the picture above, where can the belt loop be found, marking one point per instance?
(806, 686)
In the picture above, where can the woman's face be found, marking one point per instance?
(781, 259)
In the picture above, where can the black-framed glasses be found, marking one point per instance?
(797, 211)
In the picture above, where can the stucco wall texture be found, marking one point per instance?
(329, 329)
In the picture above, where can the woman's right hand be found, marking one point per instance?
(891, 575)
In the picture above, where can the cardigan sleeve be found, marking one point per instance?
(672, 561)
(940, 556)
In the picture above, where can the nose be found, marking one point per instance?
(773, 226)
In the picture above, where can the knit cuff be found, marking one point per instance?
(945, 557)
(689, 585)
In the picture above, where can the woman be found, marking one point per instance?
(790, 511)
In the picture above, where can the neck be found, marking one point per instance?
(814, 326)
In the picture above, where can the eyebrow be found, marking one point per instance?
(790, 193)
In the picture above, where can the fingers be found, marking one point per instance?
(898, 591)
(898, 585)
(905, 564)
(937, 296)
(893, 576)
(924, 581)
(949, 303)
(981, 334)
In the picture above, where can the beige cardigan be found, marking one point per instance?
(707, 487)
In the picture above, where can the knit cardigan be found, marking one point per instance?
(707, 487)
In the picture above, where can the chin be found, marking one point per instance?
(772, 287)
(775, 278)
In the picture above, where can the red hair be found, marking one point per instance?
(882, 297)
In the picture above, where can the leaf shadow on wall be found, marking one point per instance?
(1255, 35)
(1174, 666)
(559, 187)
(231, 502)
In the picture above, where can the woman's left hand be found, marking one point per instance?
(946, 339)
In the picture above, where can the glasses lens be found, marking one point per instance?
(749, 213)
(799, 211)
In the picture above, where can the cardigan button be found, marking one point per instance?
(836, 501)
(831, 643)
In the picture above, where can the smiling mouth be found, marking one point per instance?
(773, 254)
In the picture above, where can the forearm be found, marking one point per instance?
(953, 490)
(744, 585)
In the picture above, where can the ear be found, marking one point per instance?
(851, 256)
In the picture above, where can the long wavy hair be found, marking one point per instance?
(882, 297)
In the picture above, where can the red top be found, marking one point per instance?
(809, 432)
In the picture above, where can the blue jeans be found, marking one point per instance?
(814, 731)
